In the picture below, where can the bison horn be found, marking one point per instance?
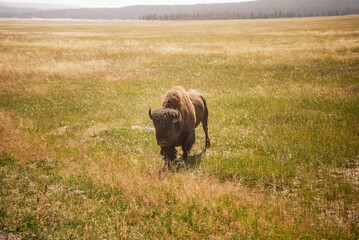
(149, 113)
(178, 118)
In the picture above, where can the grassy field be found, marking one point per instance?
(78, 155)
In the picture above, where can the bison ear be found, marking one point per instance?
(149, 113)
(178, 118)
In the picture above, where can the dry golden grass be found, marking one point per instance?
(18, 142)
(88, 54)
(283, 100)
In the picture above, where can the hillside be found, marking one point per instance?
(255, 9)
(14, 10)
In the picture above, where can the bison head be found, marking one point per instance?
(167, 124)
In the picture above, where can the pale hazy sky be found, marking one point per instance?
(121, 3)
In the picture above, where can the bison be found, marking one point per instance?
(175, 122)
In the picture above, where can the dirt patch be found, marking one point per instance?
(350, 175)
(9, 236)
(147, 128)
(59, 131)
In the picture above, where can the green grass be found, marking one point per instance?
(79, 159)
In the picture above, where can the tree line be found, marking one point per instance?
(251, 15)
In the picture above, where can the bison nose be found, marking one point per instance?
(161, 143)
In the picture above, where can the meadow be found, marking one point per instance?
(78, 154)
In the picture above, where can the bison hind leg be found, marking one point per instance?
(208, 143)
(205, 127)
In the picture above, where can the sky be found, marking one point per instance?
(122, 3)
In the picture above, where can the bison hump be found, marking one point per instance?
(178, 98)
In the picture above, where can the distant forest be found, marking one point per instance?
(261, 9)
(244, 10)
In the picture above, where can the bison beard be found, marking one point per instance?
(181, 112)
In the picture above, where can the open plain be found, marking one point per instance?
(78, 154)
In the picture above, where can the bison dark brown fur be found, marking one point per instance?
(175, 122)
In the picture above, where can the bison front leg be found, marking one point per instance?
(187, 143)
(169, 155)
